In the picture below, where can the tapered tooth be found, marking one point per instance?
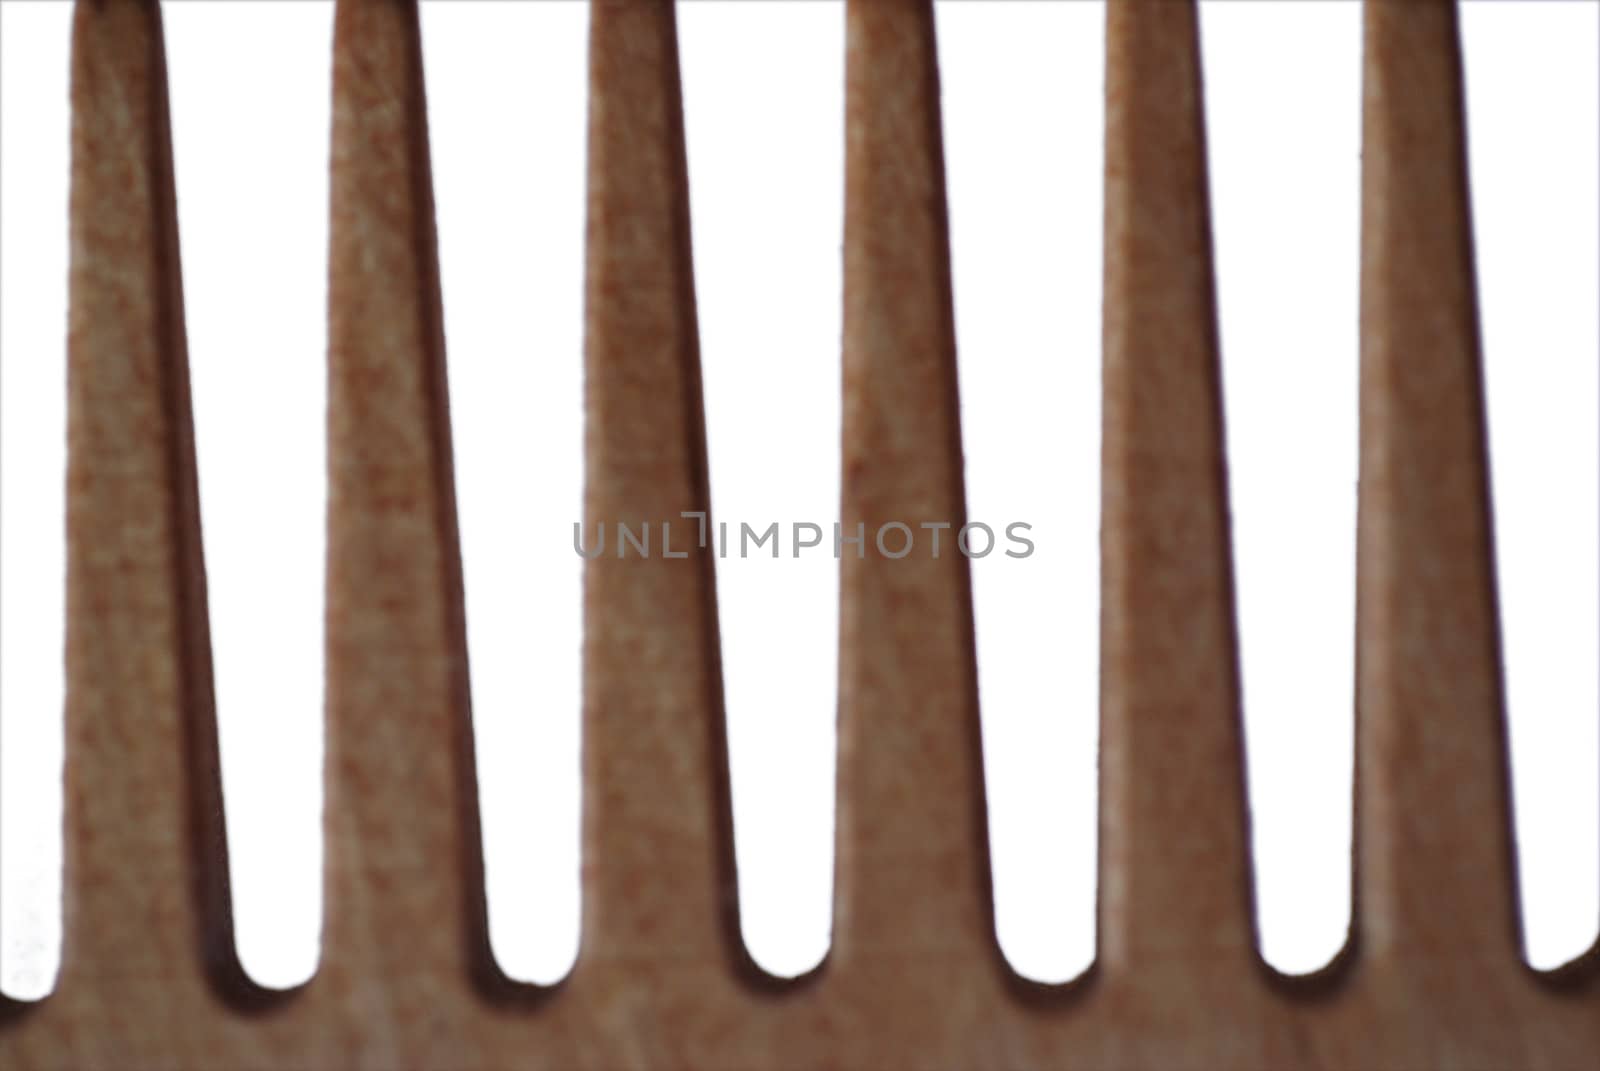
(913, 870)
(144, 849)
(1435, 864)
(403, 849)
(1175, 857)
(658, 879)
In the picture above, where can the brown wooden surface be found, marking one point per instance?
(1433, 976)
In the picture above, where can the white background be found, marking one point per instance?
(763, 91)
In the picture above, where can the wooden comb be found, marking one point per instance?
(150, 979)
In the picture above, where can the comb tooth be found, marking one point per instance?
(1174, 850)
(658, 883)
(142, 800)
(404, 861)
(913, 871)
(1435, 853)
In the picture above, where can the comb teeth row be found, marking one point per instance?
(915, 979)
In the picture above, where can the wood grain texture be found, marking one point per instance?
(915, 979)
